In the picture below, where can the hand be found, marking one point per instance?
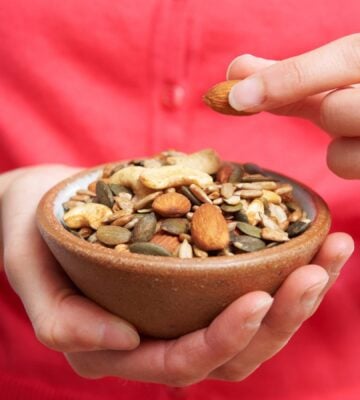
(251, 330)
(321, 85)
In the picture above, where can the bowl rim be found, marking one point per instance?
(50, 226)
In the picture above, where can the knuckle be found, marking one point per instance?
(294, 74)
(179, 373)
(47, 332)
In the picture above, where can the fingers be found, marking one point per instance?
(343, 157)
(329, 67)
(188, 359)
(294, 302)
(246, 64)
(62, 319)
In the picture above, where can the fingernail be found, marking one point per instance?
(234, 61)
(118, 335)
(255, 318)
(311, 295)
(247, 94)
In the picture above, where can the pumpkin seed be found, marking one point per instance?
(144, 230)
(116, 189)
(231, 209)
(175, 226)
(251, 168)
(113, 235)
(150, 249)
(248, 229)
(296, 228)
(236, 174)
(248, 244)
(104, 194)
(187, 193)
(240, 216)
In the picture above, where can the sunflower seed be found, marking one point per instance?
(122, 248)
(250, 193)
(104, 194)
(147, 248)
(296, 228)
(256, 178)
(144, 230)
(271, 197)
(199, 193)
(86, 192)
(233, 200)
(218, 201)
(275, 235)
(187, 193)
(85, 232)
(199, 253)
(283, 188)
(253, 211)
(132, 223)
(71, 204)
(249, 230)
(214, 195)
(121, 221)
(124, 203)
(231, 226)
(268, 222)
(113, 235)
(146, 200)
(184, 236)
(185, 250)
(248, 244)
(227, 190)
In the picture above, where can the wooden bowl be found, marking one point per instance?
(166, 297)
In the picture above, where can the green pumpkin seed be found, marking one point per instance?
(236, 174)
(175, 226)
(113, 235)
(251, 168)
(296, 228)
(147, 248)
(248, 244)
(187, 193)
(104, 194)
(144, 230)
(231, 208)
(116, 189)
(240, 216)
(248, 229)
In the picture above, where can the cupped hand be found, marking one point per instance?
(96, 343)
(321, 85)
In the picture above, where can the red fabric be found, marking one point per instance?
(84, 82)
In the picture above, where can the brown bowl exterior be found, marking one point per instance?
(166, 297)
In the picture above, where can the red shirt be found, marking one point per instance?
(85, 82)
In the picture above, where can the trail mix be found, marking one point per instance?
(185, 206)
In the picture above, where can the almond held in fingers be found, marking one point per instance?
(217, 98)
(209, 229)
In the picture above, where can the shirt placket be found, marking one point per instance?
(167, 75)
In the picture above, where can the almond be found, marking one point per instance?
(171, 204)
(217, 98)
(169, 242)
(209, 229)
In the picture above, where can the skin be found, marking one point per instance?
(254, 327)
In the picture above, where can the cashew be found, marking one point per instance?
(173, 175)
(205, 160)
(89, 214)
(129, 177)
